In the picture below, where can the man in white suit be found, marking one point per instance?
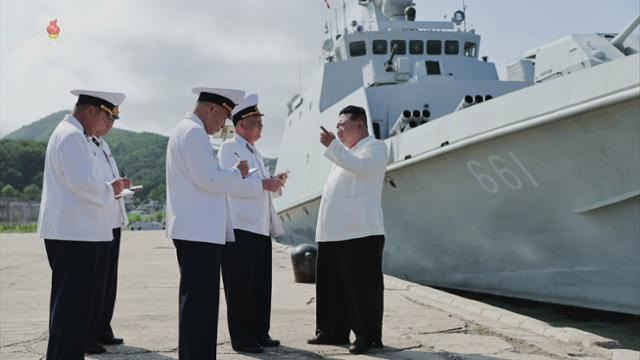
(197, 216)
(246, 263)
(350, 236)
(74, 217)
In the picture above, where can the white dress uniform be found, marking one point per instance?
(246, 263)
(350, 206)
(75, 195)
(250, 212)
(197, 186)
(198, 221)
(75, 222)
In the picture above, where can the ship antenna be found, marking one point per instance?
(326, 13)
(335, 11)
(464, 9)
(344, 15)
(298, 47)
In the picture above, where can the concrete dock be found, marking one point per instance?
(419, 322)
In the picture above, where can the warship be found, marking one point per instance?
(525, 187)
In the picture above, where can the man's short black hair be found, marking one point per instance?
(356, 113)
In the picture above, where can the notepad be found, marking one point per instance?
(125, 192)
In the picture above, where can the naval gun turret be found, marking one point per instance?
(619, 40)
(574, 53)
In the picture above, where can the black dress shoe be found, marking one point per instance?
(360, 346)
(248, 349)
(269, 342)
(112, 341)
(322, 340)
(377, 344)
(94, 348)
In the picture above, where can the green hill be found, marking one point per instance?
(39, 130)
(140, 156)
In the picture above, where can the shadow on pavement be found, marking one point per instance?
(131, 352)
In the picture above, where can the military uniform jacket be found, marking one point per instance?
(197, 186)
(350, 207)
(250, 212)
(75, 196)
(117, 212)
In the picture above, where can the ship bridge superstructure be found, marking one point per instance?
(413, 71)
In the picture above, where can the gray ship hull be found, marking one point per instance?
(550, 213)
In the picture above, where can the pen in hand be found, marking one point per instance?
(282, 177)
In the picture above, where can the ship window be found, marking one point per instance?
(433, 67)
(470, 49)
(379, 46)
(357, 48)
(434, 47)
(402, 46)
(416, 47)
(451, 47)
(376, 129)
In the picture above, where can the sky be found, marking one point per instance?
(155, 51)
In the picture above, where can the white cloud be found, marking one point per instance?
(155, 51)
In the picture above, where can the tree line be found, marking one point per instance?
(140, 156)
(22, 164)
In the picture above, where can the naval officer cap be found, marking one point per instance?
(227, 98)
(106, 101)
(246, 108)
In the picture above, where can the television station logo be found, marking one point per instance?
(53, 34)
(53, 30)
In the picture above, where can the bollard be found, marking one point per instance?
(303, 259)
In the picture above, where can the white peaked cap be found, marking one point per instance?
(251, 100)
(225, 97)
(114, 98)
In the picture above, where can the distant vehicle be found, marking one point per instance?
(146, 225)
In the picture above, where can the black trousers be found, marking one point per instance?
(246, 273)
(73, 266)
(199, 264)
(104, 290)
(112, 285)
(350, 288)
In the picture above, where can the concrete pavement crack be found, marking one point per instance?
(459, 329)
(40, 337)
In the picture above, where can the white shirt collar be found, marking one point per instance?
(193, 117)
(362, 142)
(242, 142)
(73, 121)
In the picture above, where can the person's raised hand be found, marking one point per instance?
(326, 136)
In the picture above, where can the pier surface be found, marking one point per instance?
(419, 322)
